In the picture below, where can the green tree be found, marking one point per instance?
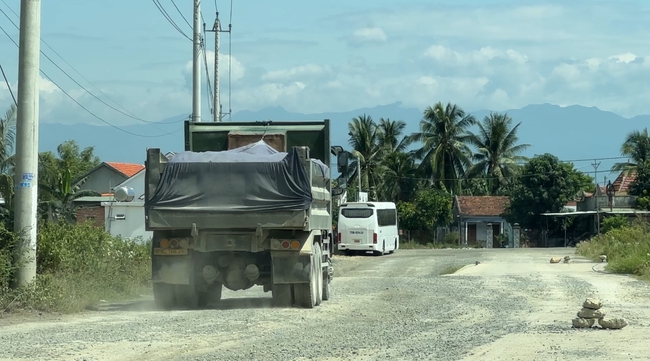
(364, 140)
(444, 152)
(430, 208)
(78, 161)
(7, 148)
(544, 185)
(637, 147)
(399, 179)
(63, 194)
(497, 152)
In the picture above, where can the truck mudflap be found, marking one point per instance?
(171, 269)
(290, 267)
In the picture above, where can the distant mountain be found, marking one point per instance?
(573, 132)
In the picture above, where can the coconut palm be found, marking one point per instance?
(637, 147)
(444, 152)
(391, 135)
(364, 140)
(497, 151)
(7, 145)
(63, 193)
(400, 177)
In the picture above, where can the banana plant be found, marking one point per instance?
(63, 194)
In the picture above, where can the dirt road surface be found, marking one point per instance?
(514, 305)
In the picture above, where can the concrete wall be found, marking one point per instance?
(589, 204)
(481, 227)
(103, 179)
(126, 220)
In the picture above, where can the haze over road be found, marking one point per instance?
(513, 306)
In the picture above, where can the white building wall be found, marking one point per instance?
(126, 220)
(481, 231)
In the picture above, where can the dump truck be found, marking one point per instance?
(246, 204)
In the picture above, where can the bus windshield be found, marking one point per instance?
(357, 212)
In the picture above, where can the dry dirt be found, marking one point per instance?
(514, 305)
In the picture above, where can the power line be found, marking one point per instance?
(73, 68)
(8, 85)
(180, 12)
(125, 112)
(169, 18)
(83, 107)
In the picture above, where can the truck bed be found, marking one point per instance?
(248, 187)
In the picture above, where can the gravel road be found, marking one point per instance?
(514, 305)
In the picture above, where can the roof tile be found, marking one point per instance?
(482, 205)
(623, 181)
(128, 169)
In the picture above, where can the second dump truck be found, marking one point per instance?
(246, 203)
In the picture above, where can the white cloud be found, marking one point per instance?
(368, 35)
(303, 71)
(491, 56)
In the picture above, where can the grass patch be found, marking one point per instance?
(77, 266)
(627, 249)
(451, 269)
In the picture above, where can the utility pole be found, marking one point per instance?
(216, 29)
(26, 171)
(196, 64)
(596, 164)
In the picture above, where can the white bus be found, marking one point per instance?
(368, 226)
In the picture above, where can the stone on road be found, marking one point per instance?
(513, 305)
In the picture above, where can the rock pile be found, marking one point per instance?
(591, 311)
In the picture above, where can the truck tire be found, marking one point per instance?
(326, 284)
(318, 256)
(164, 296)
(214, 293)
(306, 295)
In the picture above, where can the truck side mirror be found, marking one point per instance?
(342, 161)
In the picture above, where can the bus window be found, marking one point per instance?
(386, 217)
(356, 212)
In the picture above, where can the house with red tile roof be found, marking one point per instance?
(107, 175)
(475, 215)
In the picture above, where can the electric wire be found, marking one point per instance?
(180, 12)
(164, 12)
(86, 109)
(8, 85)
(124, 112)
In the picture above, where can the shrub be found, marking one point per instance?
(614, 222)
(627, 249)
(78, 265)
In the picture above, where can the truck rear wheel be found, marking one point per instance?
(306, 295)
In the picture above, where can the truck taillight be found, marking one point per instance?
(374, 238)
(339, 238)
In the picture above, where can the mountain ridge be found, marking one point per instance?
(569, 132)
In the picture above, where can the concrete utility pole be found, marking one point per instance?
(216, 29)
(596, 165)
(217, 103)
(196, 64)
(26, 172)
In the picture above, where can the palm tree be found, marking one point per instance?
(637, 147)
(63, 194)
(497, 152)
(391, 135)
(7, 145)
(364, 140)
(444, 152)
(399, 177)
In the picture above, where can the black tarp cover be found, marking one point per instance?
(253, 178)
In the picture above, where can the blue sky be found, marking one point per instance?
(318, 56)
